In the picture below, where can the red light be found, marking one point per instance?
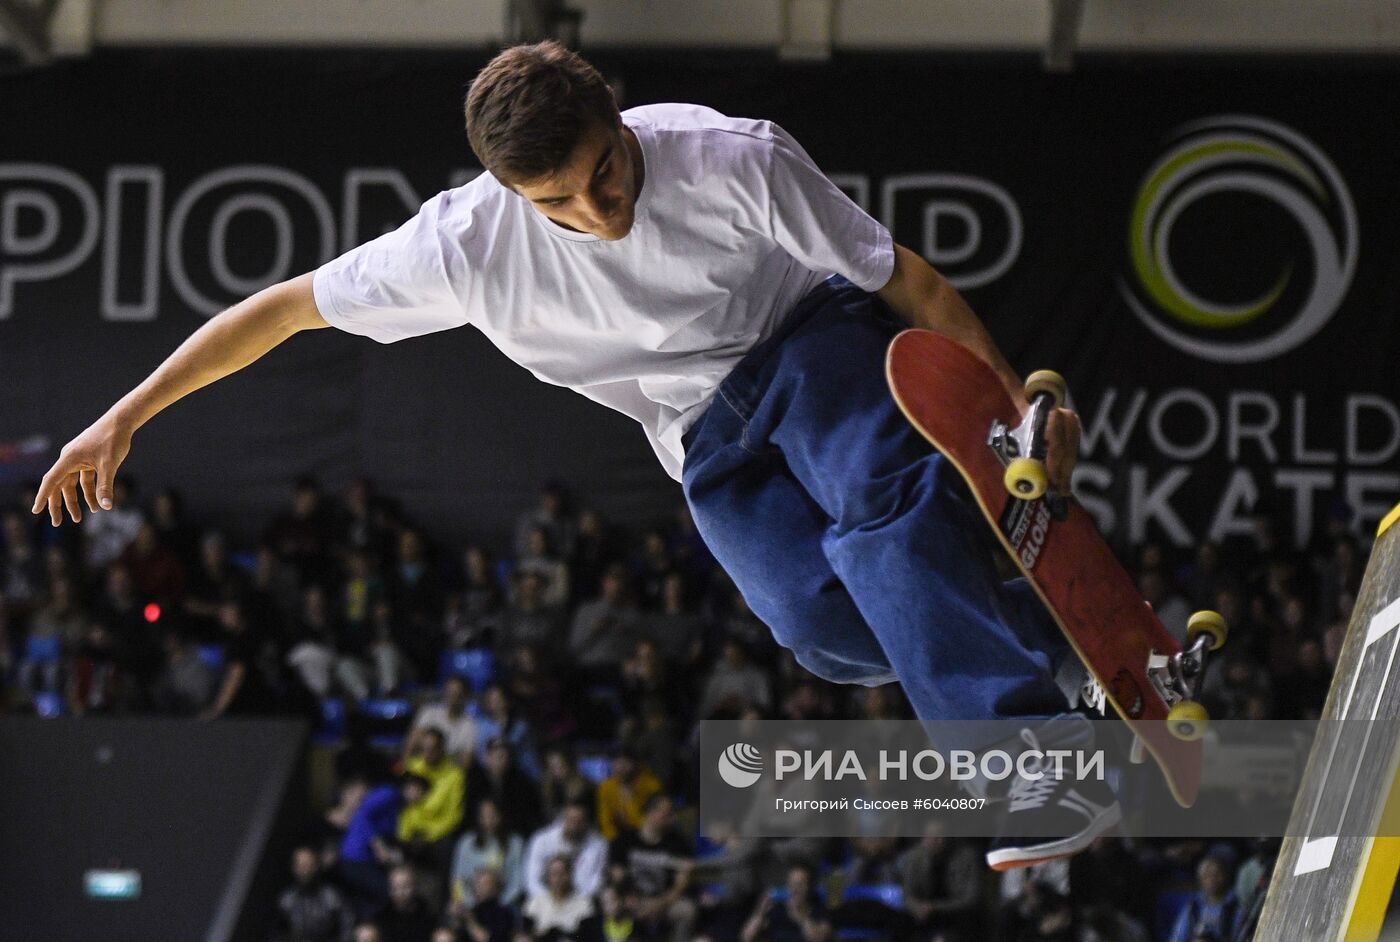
(153, 612)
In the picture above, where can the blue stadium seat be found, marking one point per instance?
(891, 894)
(594, 768)
(387, 708)
(389, 718)
(717, 890)
(43, 649)
(48, 705)
(1170, 903)
(213, 656)
(477, 666)
(332, 727)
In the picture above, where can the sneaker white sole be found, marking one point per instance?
(1010, 858)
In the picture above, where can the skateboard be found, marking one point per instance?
(960, 405)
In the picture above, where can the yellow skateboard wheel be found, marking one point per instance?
(1026, 479)
(1188, 720)
(1047, 381)
(1207, 623)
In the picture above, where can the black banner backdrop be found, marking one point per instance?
(1205, 251)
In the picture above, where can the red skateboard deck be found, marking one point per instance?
(952, 397)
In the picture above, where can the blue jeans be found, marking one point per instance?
(855, 541)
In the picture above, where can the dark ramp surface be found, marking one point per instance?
(190, 805)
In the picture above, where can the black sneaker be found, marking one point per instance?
(1051, 816)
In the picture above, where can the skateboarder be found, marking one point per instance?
(677, 265)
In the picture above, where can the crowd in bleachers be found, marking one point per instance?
(511, 725)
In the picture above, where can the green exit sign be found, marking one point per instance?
(113, 884)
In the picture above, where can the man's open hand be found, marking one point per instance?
(89, 462)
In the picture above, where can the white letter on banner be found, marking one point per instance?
(15, 244)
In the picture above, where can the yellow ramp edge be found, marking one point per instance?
(1390, 518)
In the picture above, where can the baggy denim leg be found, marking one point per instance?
(852, 538)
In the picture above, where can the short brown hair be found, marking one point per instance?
(527, 110)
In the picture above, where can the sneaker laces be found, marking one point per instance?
(1027, 794)
(1093, 696)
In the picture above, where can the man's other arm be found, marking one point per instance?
(224, 345)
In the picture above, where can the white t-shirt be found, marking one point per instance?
(734, 224)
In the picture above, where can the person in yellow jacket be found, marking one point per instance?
(622, 796)
(427, 828)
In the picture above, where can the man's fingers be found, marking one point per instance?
(46, 486)
(55, 507)
(106, 472)
(88, 478)
(70, 498)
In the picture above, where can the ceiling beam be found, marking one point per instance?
(27, 27)
(1065, 19)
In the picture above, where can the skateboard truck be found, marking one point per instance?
(1176, 678)
(1021, 450)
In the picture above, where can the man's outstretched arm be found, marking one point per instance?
(224, 345)
(924, 298)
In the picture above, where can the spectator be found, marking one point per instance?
(107, 534)
(653, 566)
(735, 682)
(653, 738)
(417, 594)
(186, 684)
(562, 784)
(654, 864)
(368, 847)
(529, 619)
(645, 676)
(546, 704)
(368, 932)
(939, 876)
(362, 591)
(391, 669)
(172, 529)
(363, 528)
(1029, 899)
(800, 917)
(311, 909)
(558, 910)
(450, 717)
(605, 629)
(594, 550)
(571, 837)
(158, 573)
(211, 583)
(498, 779)
(1212, 908)
(408, 917)
(677, 631)
(729, 884)
(479, 603)
(322, 669)
(301, 537)
(550, 514)
(540, 558)
(21, 570)
(244, 690)
(427, 827)
(1109, 875)
(623, 795)
(498, 721)
(61, 623)
(97, 680)
(487, 918)
(489, 846)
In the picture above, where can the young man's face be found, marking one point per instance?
(596, 190)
